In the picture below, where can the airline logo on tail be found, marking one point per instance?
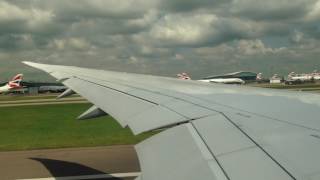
(15, 82)
(184, 76)
(12, 85)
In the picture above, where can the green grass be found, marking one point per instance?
(24, 97)
(55, 126)
(307, 86)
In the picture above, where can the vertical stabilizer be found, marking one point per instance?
(16, 81)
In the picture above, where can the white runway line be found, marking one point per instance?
(98, 176)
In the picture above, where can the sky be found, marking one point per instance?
(161, 37)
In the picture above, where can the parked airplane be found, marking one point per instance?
(13, 85)
(185, 76)
(209, 132)
(224, 80)
(316, 75)
(301, 77)
(304, 77)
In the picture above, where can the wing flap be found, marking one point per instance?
(236, 152)
(293, 146)
(177, 153)
(154, 118)
(214, 149)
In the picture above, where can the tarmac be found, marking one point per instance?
(110, 162)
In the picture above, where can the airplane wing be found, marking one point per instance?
(213, 131)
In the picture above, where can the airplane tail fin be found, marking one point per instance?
(16, 81)
(183, 76)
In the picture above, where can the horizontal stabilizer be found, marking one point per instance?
(66, 93)
(91, 113)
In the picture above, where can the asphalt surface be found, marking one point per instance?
(68, 162)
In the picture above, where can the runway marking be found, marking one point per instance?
(98, 176)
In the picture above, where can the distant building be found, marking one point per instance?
(36, 87)
(276, 79)
(52, 89)
(244, 75)
(33, 90)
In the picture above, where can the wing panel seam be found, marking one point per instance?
(260, 147)
(211, 152)
(118, 91)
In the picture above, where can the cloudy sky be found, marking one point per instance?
(161, 37)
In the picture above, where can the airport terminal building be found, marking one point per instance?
(244, 75)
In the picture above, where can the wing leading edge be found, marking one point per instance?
(218, 131)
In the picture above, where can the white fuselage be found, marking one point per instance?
(305, 77)
(7, 89)
(316, 77)
(302, 78)
(224, 80)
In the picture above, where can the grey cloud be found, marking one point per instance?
(189, 5)
(83, 9)
(312, 30)
(161, 36)
(272, 9)
(314, 14)
(14, 42)
(199, 30)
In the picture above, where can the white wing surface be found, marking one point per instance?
(215, 132)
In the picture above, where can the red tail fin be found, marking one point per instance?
(15, 82)
(17, 77)
(184, 76)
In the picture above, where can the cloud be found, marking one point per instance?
(198, 30)
(70, 44)
(314, 14)
(162, 36)
(297, 37)
(188, 5)
(272, 9)
(87, 9)
(240, 49)
(255, 47)
(179, 29)
(15, 19)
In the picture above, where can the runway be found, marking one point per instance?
(111, 162)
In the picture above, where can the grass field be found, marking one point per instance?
(299, 87)
(55, 126)
(27, 97)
